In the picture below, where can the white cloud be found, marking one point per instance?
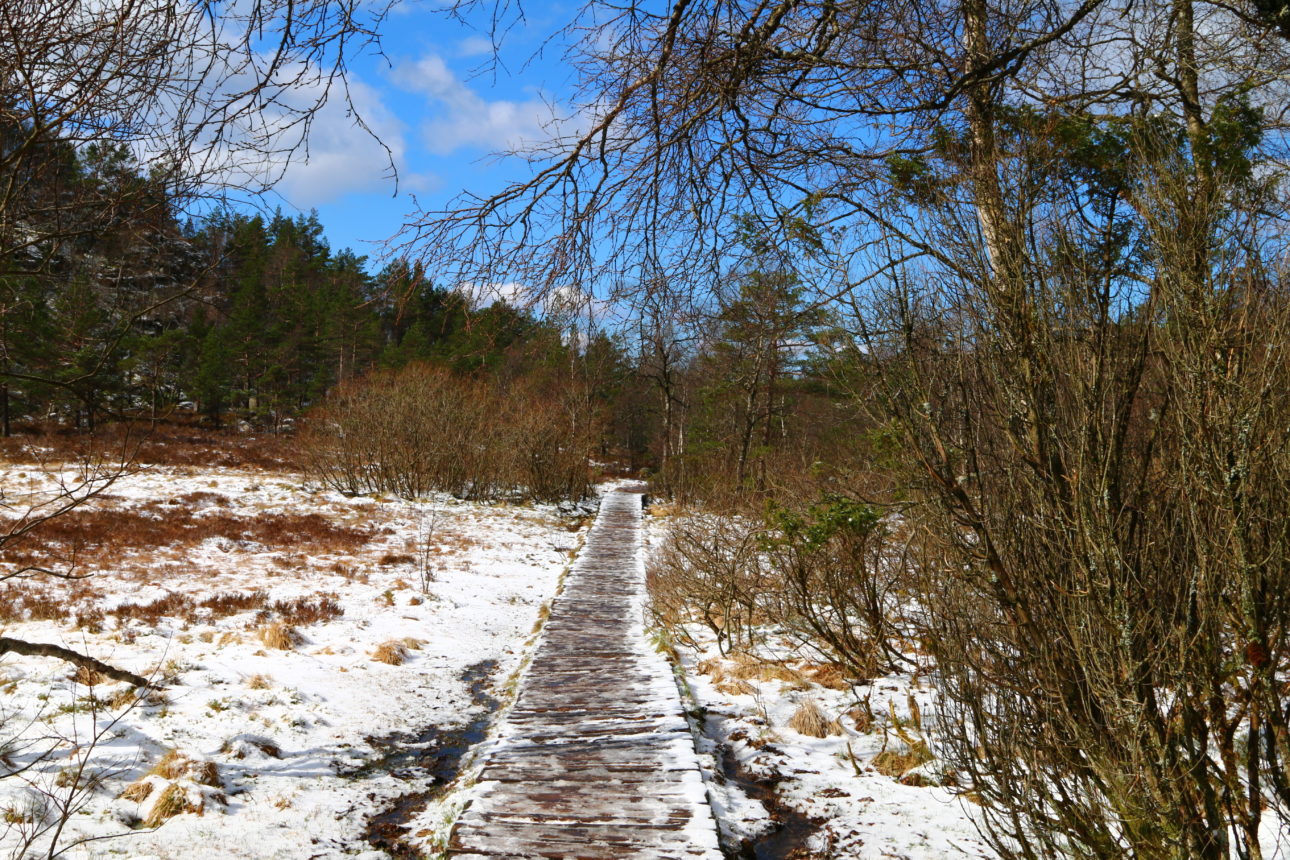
(344, 158)
(465, 119)
(475, 46)
(565, 303)
(481, 295)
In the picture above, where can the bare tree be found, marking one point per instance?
(113, 116)
(1057, 226)
(205, 97)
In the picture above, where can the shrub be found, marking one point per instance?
(421, 430)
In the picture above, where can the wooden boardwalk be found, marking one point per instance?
(595, 759)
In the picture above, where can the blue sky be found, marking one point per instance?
(441, 116)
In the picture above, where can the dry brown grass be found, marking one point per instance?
(200, 499)
(736, 688)
(748, 667)
(394, 652)
(87, 677)
(830, 675)
(178, 441)
(137, 791)
(175, 765)
(300, 612)
(173, 769)
(913, 750)
(278, 635)
(28, 602)
(205, 773)
(172, 765)
(259, 682)
(809, 720)
(714, 668)
(241, 746)
(303, 611)
(863, 717)
(111, 535)
(350, 572)
(173, 801)
(895, 763)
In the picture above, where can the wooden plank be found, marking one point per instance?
(595, 759)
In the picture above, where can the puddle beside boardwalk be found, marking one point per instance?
(788, 839)
(433, 755)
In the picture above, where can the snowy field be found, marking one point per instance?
(288, 629)
(869, 787)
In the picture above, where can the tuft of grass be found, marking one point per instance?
(259, 682)
(913, 751)
(128, 696)
(87, 677)
(205, 773)
(137, 791)
(895, 763)
(172, 801)
(829, 675)
(862, 714)
(174, 770)
(393, 652)
(278, 635)
(748, 668)
(172, 765)
(544, 612)
(711, 666)
(242, 745)
(809, 720)
(736, 687)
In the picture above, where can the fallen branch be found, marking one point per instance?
(42, 649)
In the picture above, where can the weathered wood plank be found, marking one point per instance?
(595, 759)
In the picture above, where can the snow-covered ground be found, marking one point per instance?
(857, 792)
(260, 743)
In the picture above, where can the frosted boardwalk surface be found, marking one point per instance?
(595, 759)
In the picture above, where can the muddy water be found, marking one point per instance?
(434, 756)
(787, 840)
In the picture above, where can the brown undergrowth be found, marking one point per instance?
(21, 602)
(168, 443)
(112, 534)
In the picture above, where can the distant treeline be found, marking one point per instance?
(250, 320)
(241, 317)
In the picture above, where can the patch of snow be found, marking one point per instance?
(285, 730)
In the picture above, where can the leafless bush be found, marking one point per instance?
(1108, 587)
(844, 581)
(423, 430)
(710, 571)
(830, 574)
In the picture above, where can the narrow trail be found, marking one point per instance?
(595, 759)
